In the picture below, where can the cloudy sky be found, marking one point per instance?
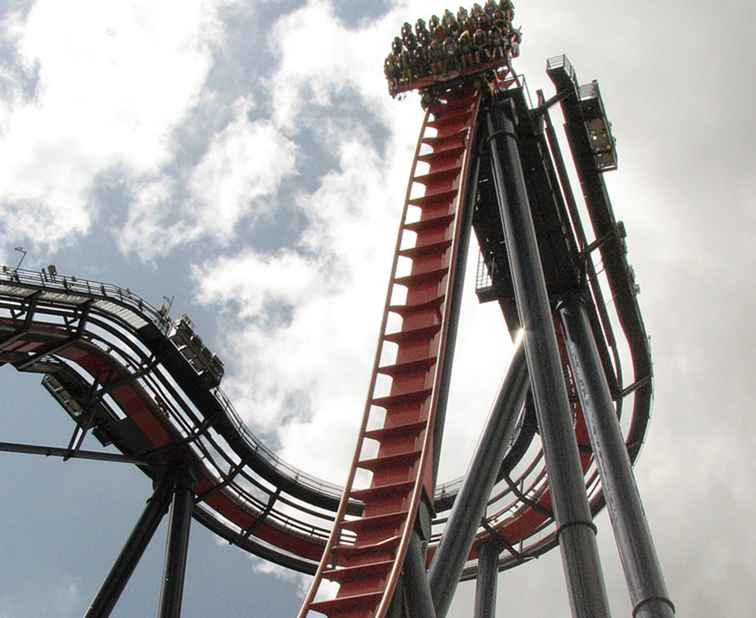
(243, 157)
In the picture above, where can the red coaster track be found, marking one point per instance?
(368, 566)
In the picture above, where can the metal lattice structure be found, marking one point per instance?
(394, 541)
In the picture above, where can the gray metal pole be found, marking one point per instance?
(53, 451)
(645, 580)
(575, 528)
(396, 609)
(488, 576)
(470, 504)
(177, 547)
(415, 580)
(131, 554)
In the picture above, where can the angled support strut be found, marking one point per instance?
(417, 590)
(132, 552)
(470, 504)
(177, 547)
(643, 573)
(485, 586)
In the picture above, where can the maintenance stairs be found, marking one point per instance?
(365, 555)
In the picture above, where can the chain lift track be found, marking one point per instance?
(368, 565)
(114, 364)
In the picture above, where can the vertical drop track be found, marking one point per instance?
(365, 555)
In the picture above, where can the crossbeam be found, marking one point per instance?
(64, 453)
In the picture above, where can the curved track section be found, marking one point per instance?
(108, 360)
(112, 362)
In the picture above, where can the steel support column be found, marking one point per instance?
(488, 575)
(470, 504)
(177, 546)
(132, 552)
(415, 579)
(397, 609)
(648, 591)
(575, 528)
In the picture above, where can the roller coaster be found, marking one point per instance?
(568, 423)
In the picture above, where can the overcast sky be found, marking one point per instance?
(244, 157)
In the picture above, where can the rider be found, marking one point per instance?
(500, 21)
(420, 61)
(437, 50)
(408, 37)
(516, 38)
(433, 24)
(405, 64)
(397, 46)
(391, 70)
(484, 22)
(449, 22)
(422, 34)
(451, 48)
(480, 43)
(462, 17)
(498, 43)
(467, 49)
(507, 8)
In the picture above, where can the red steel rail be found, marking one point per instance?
(400, 422)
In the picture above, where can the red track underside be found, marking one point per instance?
(152, 424)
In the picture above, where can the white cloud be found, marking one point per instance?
(270, 569)
(243, 167)
(317, 363)
(115, 78)
(264, 282)
(345, 58)
(11, 27)
(246, 162)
